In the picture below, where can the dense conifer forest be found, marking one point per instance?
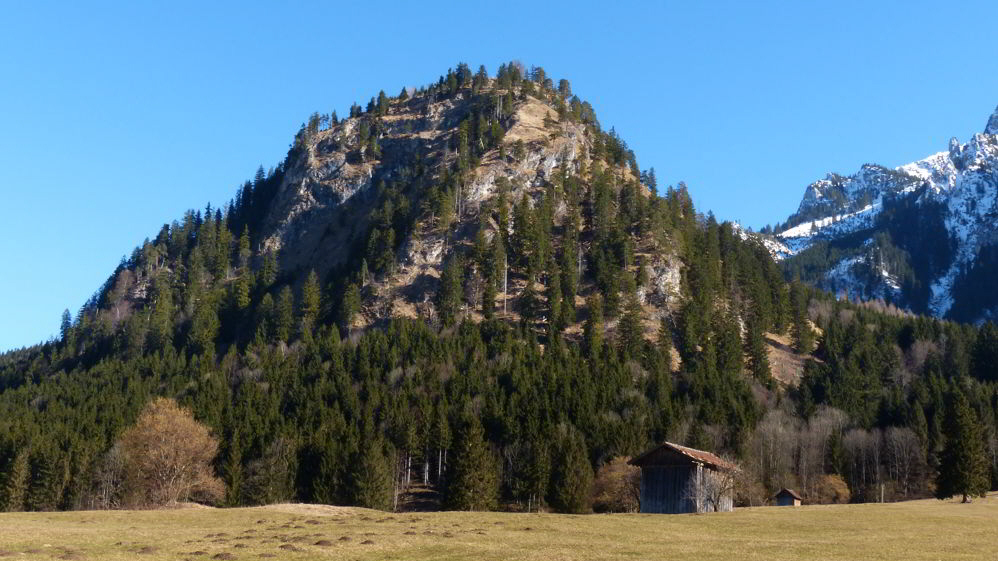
(495, 397)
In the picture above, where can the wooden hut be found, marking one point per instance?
(787, 497)
(676, 479)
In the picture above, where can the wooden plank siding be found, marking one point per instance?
(664, 489)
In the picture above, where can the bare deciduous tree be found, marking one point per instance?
(903, 456)
(168, 458)
(107, 481)
(812, 445)
(617, 487)
(772, 449)
(863, 450)
(711, 490)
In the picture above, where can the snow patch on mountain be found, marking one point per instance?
(835, 225)
(964, 178)
(776, 247)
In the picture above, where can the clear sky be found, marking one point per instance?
(115, 118)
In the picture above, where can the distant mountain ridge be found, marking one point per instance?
(922, 235)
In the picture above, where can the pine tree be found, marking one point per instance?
(49, 476)
(244, 249)
(448, 299)
(310, 296)
(349, 306)
(729, 345)
(528, 304)
(233, 469)
(572, 476)
(481, 79)
(364, 273)
(284, 314)
(522, 246)
(489, 299)
(441, 436)
(241, 292)
(665, 344)
(534, 473)
(631, 328)
(338, 448)
(554, 300)
(755, 348)
(472, 481)
(801, 334)
(569, 279)
(268, 272)
(565, 88)
(372, 477)
(264, 319)
(66, 325)
(592, 330)
(963, 468)
(15, 488)
(204, 326)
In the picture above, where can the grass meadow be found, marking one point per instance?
(915, 530)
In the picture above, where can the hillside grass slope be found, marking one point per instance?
(927, 529)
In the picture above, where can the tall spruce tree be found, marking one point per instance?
(962, 469)
(448, 299)
(284, 314)
(801, 334)
(15, 487)
(592, 330)
(65, 325)
(349, 306)
(472, 482)
(310, 301)
(373, 486)
(572, 475)
(755, 348)
(630, 328)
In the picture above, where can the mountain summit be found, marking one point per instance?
(922, 235)
(992, 127)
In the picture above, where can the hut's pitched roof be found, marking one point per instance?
(791, 492)
(692, 454)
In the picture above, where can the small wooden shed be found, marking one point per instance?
(677, 479)
(787, 497)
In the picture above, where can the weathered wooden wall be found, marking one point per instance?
(664, 489)
(668, 490)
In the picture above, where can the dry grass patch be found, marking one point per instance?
(918, 530)
(785, 365)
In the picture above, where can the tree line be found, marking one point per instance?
(508, 393)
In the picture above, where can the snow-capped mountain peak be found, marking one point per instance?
(992, 127)
(911, 235)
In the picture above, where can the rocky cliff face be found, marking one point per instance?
(323, 206)
(910, 235)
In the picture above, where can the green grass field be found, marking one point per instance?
(906, 531)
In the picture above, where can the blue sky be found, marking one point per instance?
(115, 118)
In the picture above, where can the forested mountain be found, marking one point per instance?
(471, 287)
(922, 236)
